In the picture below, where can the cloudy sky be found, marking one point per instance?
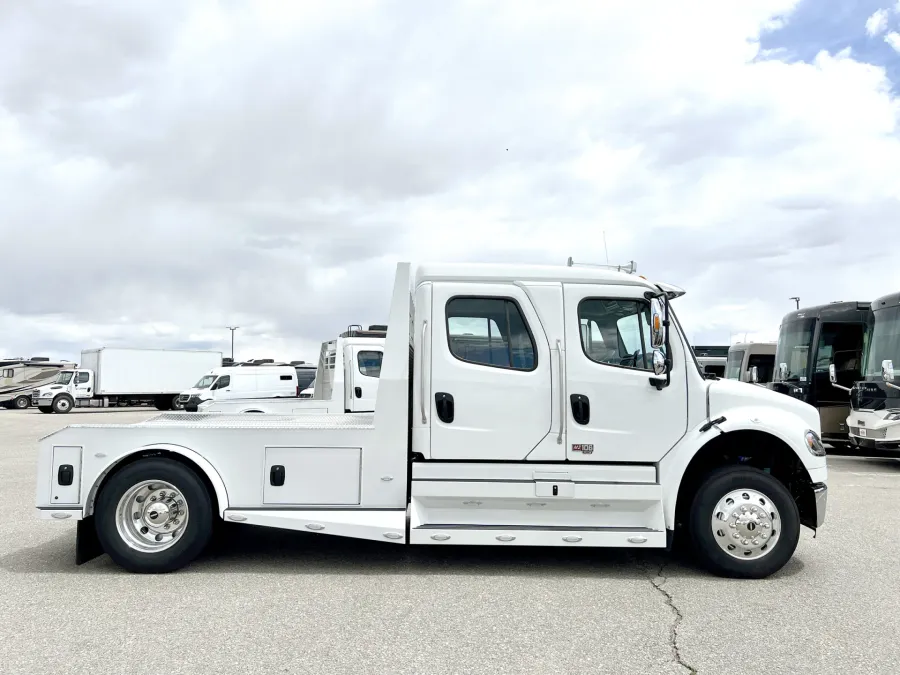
(169, 168)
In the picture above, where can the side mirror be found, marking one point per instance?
(832, 374)
(782, 371)
(887, 370)
(659, 363)
(754, 375)
(657, 326)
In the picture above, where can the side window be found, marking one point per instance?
(369, 363)
(9, 372)
(842, 345)
(765, 365)
(223, 382)
(616, 332)
(490, 332)
(305, 376)
(83, 378)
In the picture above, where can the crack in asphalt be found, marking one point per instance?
(657, 583)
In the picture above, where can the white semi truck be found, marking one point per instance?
(114, 376)
(582, 420)
(346, 381)
(874, 419)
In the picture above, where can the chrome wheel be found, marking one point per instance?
(63, 405)
(151, 516)
(746, 524)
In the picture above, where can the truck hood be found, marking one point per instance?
(729, 394)
(50, 387)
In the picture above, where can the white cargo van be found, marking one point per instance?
(224, 384)
(346, 382)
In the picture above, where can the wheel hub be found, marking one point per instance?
(745, 524)
(151, 516)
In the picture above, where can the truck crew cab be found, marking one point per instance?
(517, 406)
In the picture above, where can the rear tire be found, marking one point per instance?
(744, 523)
(163, 403)
(22, 402)
(130, 542)
(176, 404)
(63, 404)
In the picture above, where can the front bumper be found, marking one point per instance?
(820, 494)
(873, 444)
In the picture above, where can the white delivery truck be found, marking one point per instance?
(743, 357)
(230, 383)
(112, 376)
(582, 421)
(346, 381)
(874, 419)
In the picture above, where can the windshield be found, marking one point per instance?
(884, 341)
(64, 377)
(794, 342)
(205, 381)
(733, 365)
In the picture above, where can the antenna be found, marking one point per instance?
(797, 300)
(605, 248)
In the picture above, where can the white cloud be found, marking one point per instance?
(893, 39)
(877, 23)
(267, 166)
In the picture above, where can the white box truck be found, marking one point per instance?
(117, 376)
(579, 419)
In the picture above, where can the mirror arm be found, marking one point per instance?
(841, 387)
(892, 385)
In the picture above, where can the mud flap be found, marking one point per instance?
(87, 545)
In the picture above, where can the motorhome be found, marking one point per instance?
(743, 357)
(230, 383)
(118, 376)
(874, 419)
(810, 340)
(712, 359)
(346, 381)
(19, 377)
(547, 439)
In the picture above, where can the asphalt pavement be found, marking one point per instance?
(265, 601)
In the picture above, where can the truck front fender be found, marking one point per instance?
(194, 457)
(784, 427)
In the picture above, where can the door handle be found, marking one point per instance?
(276, 475)
(443, 403)
(581, 408)
(358, 392)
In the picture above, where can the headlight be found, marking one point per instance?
(814, 444)
(893, 416)
(46, 394)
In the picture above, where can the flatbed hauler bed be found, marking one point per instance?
(517, 405)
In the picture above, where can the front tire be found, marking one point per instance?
(743, 523)
(154, 516)
(45, 409)
(22, 402)
(63, 404)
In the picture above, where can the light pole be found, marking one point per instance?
(232, 329)
(796, 300)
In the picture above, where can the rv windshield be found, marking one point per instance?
(794, 343)
(64, 377)
(205, 381)
(733, 365)
(884, 341)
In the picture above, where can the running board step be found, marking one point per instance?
(468, 535)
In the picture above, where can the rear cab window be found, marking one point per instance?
(490, 332)
(369, 363)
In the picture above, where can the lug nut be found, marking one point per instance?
(144, 530)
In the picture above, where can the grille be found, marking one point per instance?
(184, 398)
(870, 433)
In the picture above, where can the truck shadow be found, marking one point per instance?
(246, 549)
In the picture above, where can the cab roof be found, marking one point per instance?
(491, 272)
(834, 311)
(886, 301)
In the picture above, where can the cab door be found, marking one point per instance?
(615, 414)
(84, 384)
(490, 384)
(362, 384)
